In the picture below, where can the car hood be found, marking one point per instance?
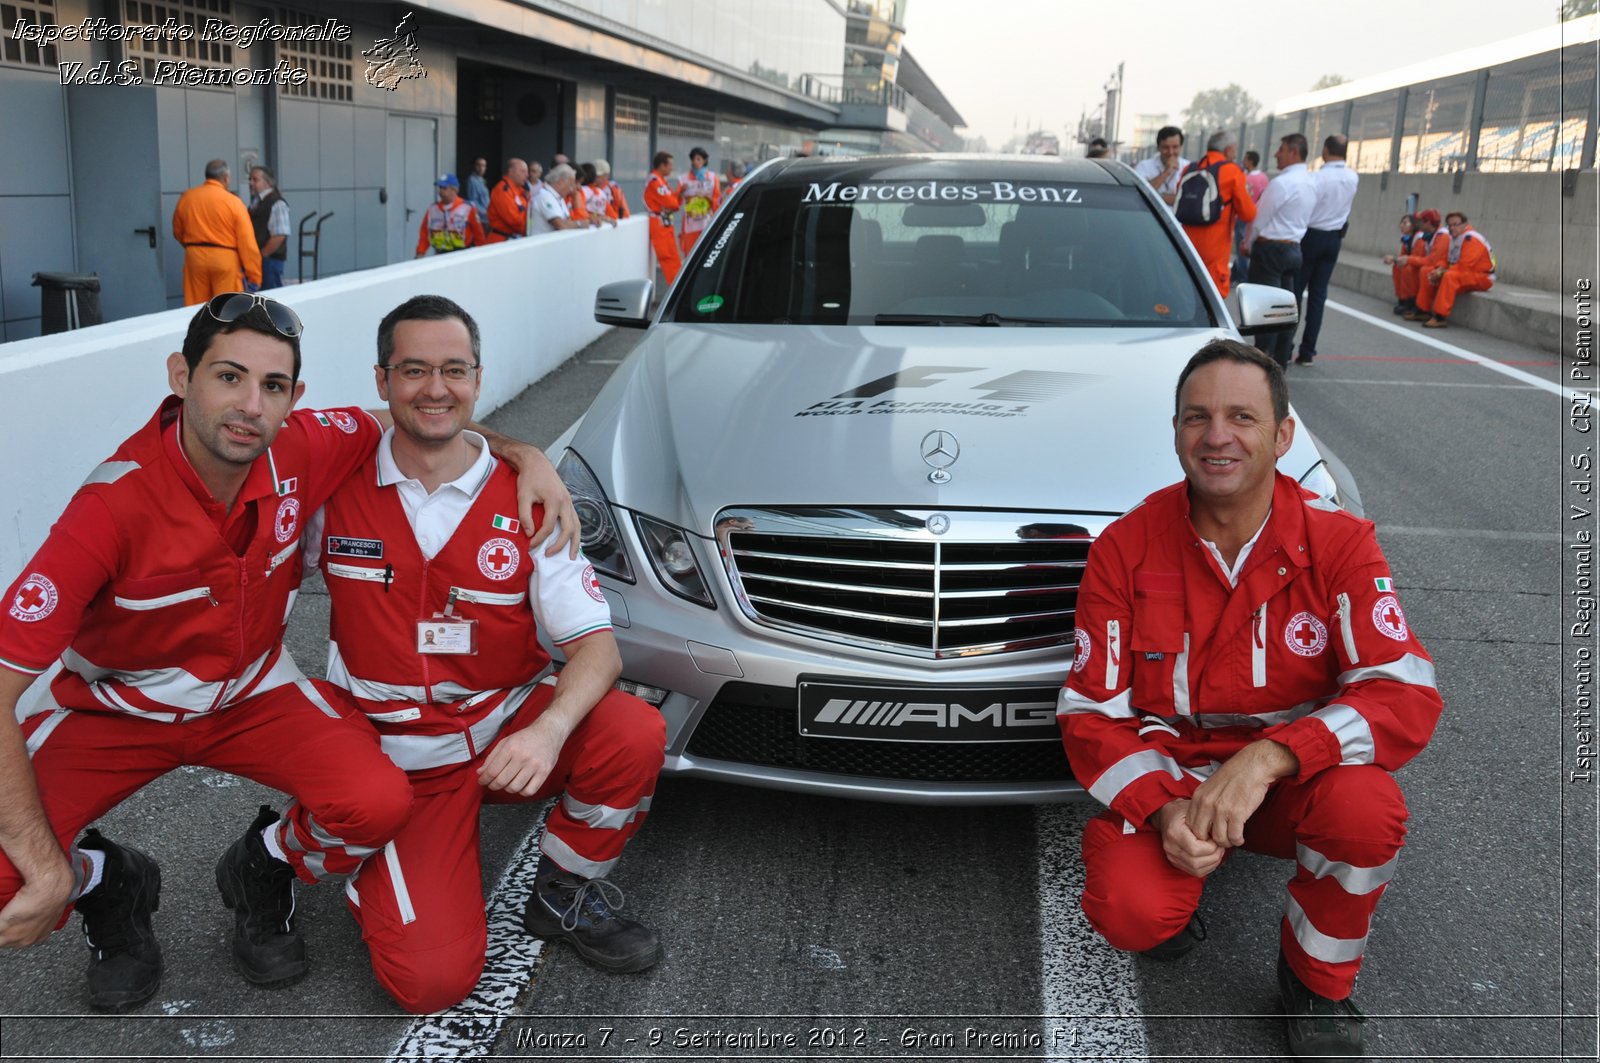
(699, 418)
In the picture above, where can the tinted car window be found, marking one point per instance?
(941, 251)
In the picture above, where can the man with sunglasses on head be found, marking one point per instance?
(436, 613)
(163, 591)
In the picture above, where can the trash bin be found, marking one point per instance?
(67, 301)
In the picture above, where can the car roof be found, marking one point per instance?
(944, 167)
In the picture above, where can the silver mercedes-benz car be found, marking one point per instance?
(841, 494)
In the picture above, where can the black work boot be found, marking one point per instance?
(259, 887)
(124, 956)
(1180, 944)
(1318, 1026)
(583, 913)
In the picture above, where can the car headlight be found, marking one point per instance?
(1320, 479)
(602, 543)
(673, 559)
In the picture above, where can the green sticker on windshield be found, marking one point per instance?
(709, 305)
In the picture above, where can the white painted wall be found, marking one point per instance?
(75, 396)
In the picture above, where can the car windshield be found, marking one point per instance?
(941, 251)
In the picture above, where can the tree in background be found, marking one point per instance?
(1571, 9)
(1328, 81)
(1214, 109)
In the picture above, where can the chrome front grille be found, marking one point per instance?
(993, 583)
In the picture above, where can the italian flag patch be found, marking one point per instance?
(322, 419)
(1384, 583)
(509, 524)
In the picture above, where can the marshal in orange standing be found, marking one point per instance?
(663, 204)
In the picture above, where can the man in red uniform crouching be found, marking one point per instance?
(437, 604)
(1243, 676)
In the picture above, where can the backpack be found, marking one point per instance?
(1199, 196)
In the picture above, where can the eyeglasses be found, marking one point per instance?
(416, 372)
(231, 306)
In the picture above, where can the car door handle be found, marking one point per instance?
(150, 232)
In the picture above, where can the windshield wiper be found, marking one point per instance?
(989, 320)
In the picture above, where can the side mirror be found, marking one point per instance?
(624, 303)
(1263, 308)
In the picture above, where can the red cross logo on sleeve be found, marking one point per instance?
(287, 522)
(36, 599)
(499, 559)
(1389, 619)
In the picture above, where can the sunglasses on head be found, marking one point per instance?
(231, 306)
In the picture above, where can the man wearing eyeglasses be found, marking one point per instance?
(1468, 267)
(437, 607)
(163, 591)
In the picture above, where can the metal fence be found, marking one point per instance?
(1534, 114)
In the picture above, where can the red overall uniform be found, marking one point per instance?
(420, 904)
(1175, 671)
(1469, 267)
(662, 203)
(167, 611)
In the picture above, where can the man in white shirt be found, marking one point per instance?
(548, 211)
(1163, 169)
(1282, 217)
(1335, 186)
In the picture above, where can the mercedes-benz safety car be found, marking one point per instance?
(841, 494)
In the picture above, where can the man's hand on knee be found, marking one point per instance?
(1185, 850)
(35, 909)
(1223, 803)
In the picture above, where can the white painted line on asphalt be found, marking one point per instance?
(1085, 983)
(468, 1030)
(1472, 533)
(1570, 394)
(1297, 378)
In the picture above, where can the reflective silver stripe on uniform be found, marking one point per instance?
(1323, 504)
(176, 687)
(1264, 719)
(568, 858)
(397, 878)
(1180, 680)
(313, 695)
(1203, 771)
(175, 598)
(1113, 652)
(1346, 630)
(42, 732)
(288, 606)
(350, 889)
(1258, 648)
(371, 575)
(414, 752)
(1351, 730)
(1116, 778)
(1357, 881)
(281, 556)
(1069, 702)
(1409, 669)
(1156, 723)
(1320, 946)
(339, 675)
(603, 817)
(464, 594)
(109, 472)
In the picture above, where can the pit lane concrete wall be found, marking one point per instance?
(76, 395)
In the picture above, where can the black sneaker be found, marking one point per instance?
(124, 956)
(1305, 361)
(259, 887)
(1405, 306)
(1318, 1026)
(583, 913)
(1180, 944)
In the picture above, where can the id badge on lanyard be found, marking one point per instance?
(446, 633)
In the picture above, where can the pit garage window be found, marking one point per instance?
(941, 252)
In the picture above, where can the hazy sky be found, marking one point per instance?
(1009, 65)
